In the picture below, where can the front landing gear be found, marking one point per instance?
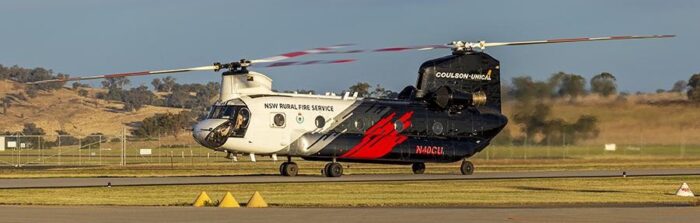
(467, 168)
(289, 168)
(333, 170)
(418, 168)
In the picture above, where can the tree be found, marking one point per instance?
(694, 88)
(77, 85)
(32, 129)
(679, 86)
(168, 84)
(532, 119)
(381, 92)
(525, 90)
(178, 99)
(136, 98)
(604, 84)
(156, 84)
(362, 89)
(115, 83)
(571, 85)
(168, 123)
(83, 92)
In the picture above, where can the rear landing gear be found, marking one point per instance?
(467, 168)
(418, 168)
(333, 170)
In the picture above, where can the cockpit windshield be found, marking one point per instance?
(238, 116)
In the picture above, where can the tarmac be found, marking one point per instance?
(79, 214)
(149, 181)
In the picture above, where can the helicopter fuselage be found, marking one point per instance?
(347, 128)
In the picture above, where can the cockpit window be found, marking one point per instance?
(238, 116)
(223, 112)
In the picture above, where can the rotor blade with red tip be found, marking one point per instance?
(390, 49)
(300, 53)
(570, 40)
(131, 74)
(296, 63)
(212, 67)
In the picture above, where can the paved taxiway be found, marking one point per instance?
(78, 214)
(143, 181)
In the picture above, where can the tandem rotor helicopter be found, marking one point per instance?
(452, 113)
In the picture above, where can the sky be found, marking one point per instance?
(92, 37)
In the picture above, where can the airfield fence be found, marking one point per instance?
(104, 150)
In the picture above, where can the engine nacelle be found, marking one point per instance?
(473, 80)
(445, 97)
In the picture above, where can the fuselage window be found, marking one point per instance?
(278, 120)
(320, 121)
(398, 125)
(359, 125)
(438, 128)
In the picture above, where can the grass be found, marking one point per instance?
(198, 161)
(482, 193)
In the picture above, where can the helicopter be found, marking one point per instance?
(452, 113)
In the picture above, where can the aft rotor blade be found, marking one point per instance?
(300, 53)
(570, 40)
(131, 74)
(391, 49)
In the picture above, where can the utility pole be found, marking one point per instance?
(123, 163)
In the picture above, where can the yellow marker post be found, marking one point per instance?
(256, 201)
(228, 201)
(202, 200)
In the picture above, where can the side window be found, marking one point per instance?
(241, 120)
(278, 120)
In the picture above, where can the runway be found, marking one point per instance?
(79, 214)
(151, 181)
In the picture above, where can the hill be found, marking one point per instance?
(64, 109)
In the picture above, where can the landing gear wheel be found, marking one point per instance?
(289, 169)
(325, 169)
(418, 168)
(467, 168)
(283, 166)
(333, 170)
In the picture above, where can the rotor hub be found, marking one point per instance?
(240, 65)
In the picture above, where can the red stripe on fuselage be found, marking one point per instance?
(380, 139)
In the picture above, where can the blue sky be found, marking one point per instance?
(96, 37)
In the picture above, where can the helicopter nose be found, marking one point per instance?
(212, 133)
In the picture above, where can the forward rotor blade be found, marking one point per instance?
(131, 74)
(300, 53)
(483, 44)
(296, 63)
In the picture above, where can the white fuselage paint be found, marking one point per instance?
(262, 135)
